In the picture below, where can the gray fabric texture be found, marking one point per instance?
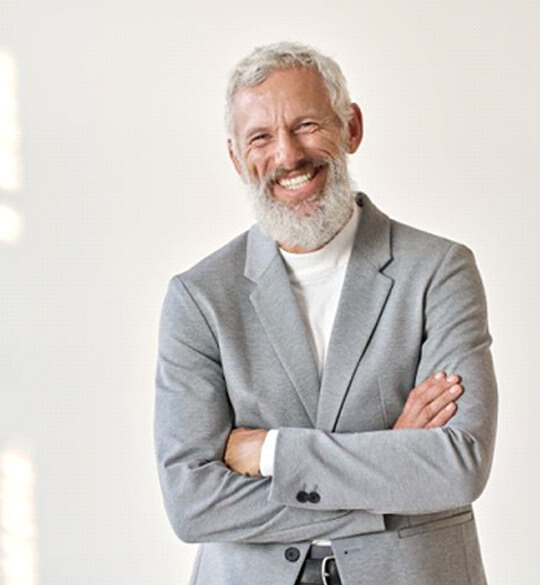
(233, 351)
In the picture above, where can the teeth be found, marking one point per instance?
(296, 182)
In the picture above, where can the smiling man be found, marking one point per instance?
(292, 149)
(326, 404)
(290, 145)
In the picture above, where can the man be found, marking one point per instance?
(326, 402)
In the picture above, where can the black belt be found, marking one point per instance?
(319, 567)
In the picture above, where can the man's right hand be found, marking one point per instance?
(431, 404)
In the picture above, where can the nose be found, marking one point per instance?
(289, 150)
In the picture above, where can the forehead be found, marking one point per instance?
(285, 93)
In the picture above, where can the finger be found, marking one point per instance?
(432, 386)
(439, 383)
(432, 410)
(428, 383)
(443, 416)
(449, 395)
(428, 392)
(416, 398)
(418, 411)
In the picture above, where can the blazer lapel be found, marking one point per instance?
(278, 312)
(362, 300)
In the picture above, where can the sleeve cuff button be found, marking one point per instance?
(314, 498)
(302, 496)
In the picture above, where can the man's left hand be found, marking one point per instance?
(243, 450)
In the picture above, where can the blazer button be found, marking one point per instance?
(292, 554)
(314, 498)
(302, 496)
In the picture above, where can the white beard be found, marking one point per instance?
(290, 226)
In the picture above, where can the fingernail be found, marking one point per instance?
(439, 376)
(452, 378)
(450, 406)
(455, 389)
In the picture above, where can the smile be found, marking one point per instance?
(298, 181)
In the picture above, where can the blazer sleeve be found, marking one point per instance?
(410, 471)
(205, 501)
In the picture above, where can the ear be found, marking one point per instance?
(233, 157)
(355, 128)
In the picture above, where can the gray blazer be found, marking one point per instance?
(233, 351)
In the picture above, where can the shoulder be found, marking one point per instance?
(194, 295)
(215, 282)
(405, 246)
(410, 240)
(226, 263)
(425, 256)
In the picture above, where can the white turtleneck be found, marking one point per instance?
(316, 279)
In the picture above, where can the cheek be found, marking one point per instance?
(257, 165)
(327, 145)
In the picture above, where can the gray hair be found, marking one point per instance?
(262, 61)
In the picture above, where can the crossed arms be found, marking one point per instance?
(430, 405)
(416, 467)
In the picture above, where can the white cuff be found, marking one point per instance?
(268, 452)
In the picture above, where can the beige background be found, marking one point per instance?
(125, 181)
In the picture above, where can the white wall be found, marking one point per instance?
(125, 181)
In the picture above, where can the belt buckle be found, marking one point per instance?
(325, 574)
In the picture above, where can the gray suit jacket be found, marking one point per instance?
(233, 352)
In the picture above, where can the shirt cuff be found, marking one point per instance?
(268, 452)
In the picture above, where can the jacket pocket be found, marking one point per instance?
(456, 519)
